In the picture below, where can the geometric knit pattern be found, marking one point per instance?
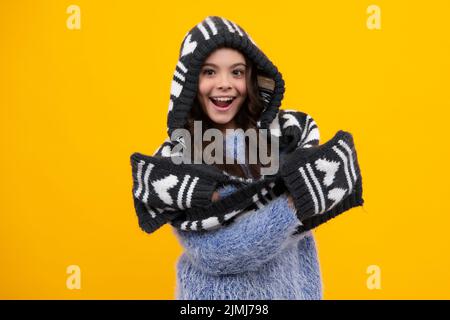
(329, 173)
(195, 187)
(324, 181)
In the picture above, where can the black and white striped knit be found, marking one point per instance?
(324, 180)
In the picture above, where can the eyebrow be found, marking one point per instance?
(234, 65)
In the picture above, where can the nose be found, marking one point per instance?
(224, 82)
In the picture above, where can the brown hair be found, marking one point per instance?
(246, 118)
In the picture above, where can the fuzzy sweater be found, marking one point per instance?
(259, 256)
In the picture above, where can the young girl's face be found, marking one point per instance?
(222, 86)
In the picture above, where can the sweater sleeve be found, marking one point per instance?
(161, 183)
(299, 130)
(324, 181)
(162, 189)
(251, 240)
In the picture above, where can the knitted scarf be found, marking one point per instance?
(323, 180)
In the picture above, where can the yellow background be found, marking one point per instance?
(76, 103)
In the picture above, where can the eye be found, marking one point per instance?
(238, 72)
(208, 71)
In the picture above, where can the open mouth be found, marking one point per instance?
(222, 102)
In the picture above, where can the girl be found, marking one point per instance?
(245, 232)
(257, 256)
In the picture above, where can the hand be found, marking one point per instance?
(215, 196)
(291, 202)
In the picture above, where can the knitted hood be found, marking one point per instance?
(198, 43)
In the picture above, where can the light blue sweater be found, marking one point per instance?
(254, 258)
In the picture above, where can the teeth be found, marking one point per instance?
(223, 99)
